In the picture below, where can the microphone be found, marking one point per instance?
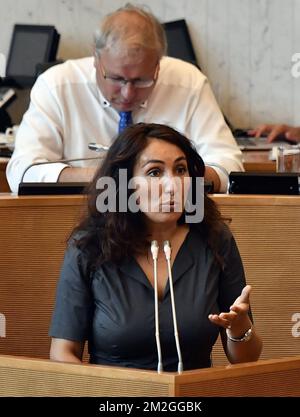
(93, 146)
(98, 147)
(57, 161)
(48, 188)
(167, 251)
(154, 251)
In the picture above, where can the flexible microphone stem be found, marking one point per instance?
(63, 161)
(92, 145)
(167, 251)
(154, 251)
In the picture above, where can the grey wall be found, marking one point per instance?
(245, 47)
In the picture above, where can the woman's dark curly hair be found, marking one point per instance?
(109, 236)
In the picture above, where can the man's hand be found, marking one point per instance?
(276, 132)
(69, 174)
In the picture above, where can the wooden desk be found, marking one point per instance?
(253, 161)
(32, 243)
(4, 187)
(25, 377)
(258, 161)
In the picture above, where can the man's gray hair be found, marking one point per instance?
(143, 33)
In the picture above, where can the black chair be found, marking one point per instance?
(5, 122)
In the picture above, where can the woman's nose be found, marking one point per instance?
(170, 184)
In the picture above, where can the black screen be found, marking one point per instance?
(28, 49)
(30, 45)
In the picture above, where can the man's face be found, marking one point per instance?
(114, 69)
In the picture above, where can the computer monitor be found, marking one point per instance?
(179, 41)
(30, 45)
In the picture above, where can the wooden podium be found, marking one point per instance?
(24, 377)
(32, 243)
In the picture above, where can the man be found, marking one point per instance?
(274, 132)
(79, 102)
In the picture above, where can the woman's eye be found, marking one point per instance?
(181, 170)
(154, 173)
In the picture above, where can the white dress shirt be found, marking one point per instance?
(67, 111)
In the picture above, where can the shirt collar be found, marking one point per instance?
(104, 103)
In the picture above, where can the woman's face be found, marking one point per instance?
(161, 173)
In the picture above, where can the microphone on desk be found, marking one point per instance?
(154, 251)
(28, 185)
(98, 148)
(167, 251)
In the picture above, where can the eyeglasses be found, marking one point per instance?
(136, 83)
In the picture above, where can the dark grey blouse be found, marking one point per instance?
(114, 307)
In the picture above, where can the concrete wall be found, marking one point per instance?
(245, 47)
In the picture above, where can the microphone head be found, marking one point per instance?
(167, 249)
(98, 147)
(154, 249)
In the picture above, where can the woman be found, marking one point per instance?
(105, 294)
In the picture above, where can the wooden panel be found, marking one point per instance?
(32, 245)
(268, 237)
(29, 377)
(274, 378)
(32, 242)
(4, 187)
